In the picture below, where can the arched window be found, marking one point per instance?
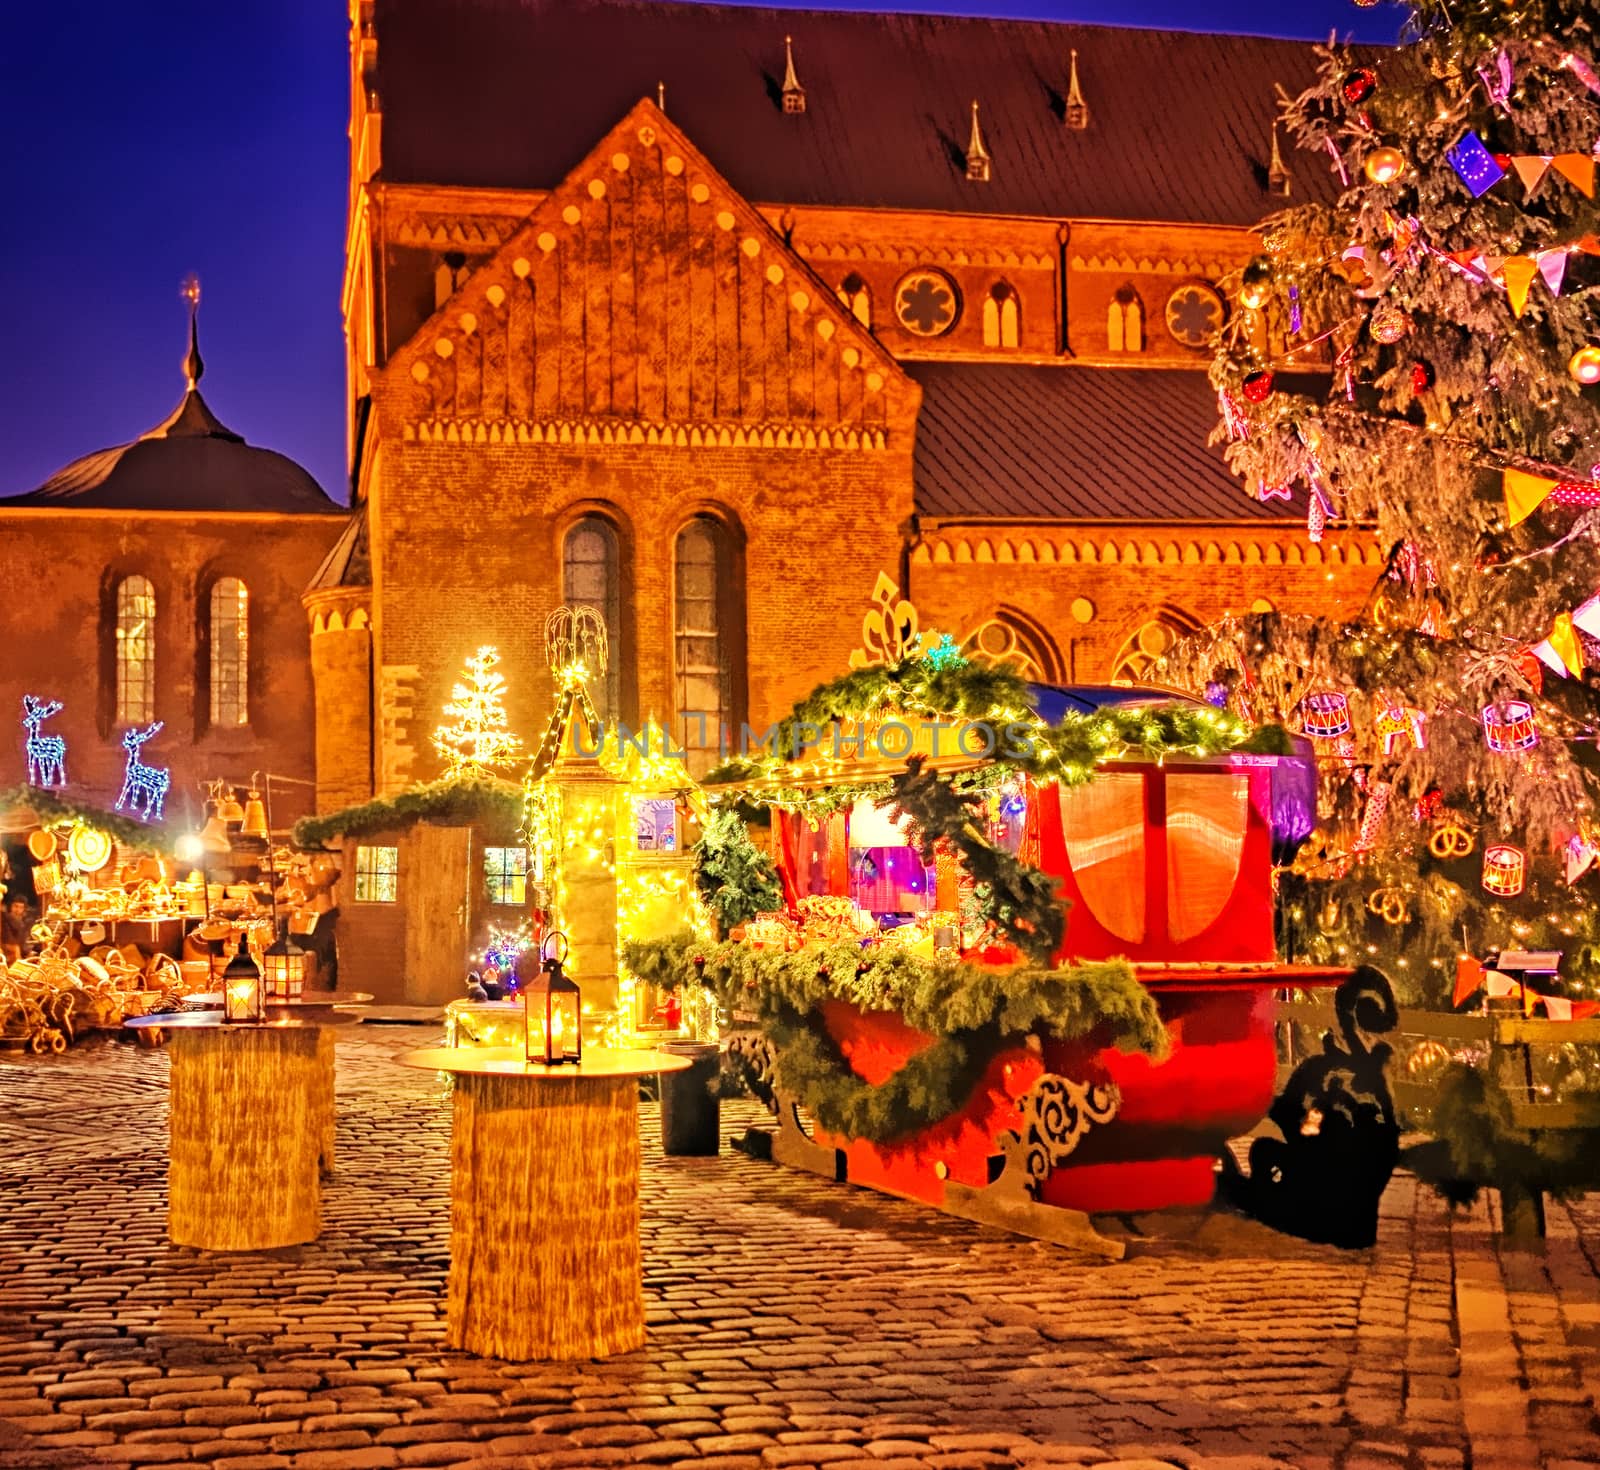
(857, 299)
(230, 652)
(1010, 638)
(1138, 659)
(1125, 322)
(136, 651)
(708, 629)
(591, 576)
(1002, 317)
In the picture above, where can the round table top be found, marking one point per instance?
(212, 1021)
(511, 1061)
(319, 999)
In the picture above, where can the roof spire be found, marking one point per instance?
(978, 160)
(193, 364)
(661, 95)
(1076, 113)
(1278, 178)
(794, 95)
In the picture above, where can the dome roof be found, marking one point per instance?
(190, 461)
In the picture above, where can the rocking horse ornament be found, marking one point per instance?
(144, 788)
(47, 754)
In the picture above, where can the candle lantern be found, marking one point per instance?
(283, 965)
(1327, 714)
(551, 1010)
(1509, 726)
(243, 995)
(1504, 867)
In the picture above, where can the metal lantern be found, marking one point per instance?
(243, 993)
(551, 1010)
(283, 965)
(1327, 714)
(1504, 867)
(1509, 726)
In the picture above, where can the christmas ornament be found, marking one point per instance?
(1360, 85)
(1372, 817)
(1473, 164)
(1388, 323)
(1584, 365)
(1389, 904)
(1255, 283)
(1258, 385)
(1326, 714)
(1508, 726)
(1450, 840)
(1504, 868)
(1580, 855)
(1427, 1060)
(1400, 723)
(1422, 377)
(1384, 165)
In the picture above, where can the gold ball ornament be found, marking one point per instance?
(1384, 165)
(1388, 323)
(1585, 365)
(1255, 284)
(1428, 1059)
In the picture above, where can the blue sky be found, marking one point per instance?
(147, 141)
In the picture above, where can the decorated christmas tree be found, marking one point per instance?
(1417, 362)
(475, 740)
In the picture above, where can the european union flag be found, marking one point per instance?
(1474, 164)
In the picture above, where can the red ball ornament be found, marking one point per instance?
(1503, 159)
(1360, 85)
(1421, 376)
(1258, 385)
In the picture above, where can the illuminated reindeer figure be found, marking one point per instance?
(47, 754)
(141, 781)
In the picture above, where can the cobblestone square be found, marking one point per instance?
(792, 1322)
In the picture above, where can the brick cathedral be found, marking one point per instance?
(705, 316)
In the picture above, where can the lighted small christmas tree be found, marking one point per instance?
(1417, 361)
(476, 741)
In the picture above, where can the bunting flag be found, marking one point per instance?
(1564, 640)
(1586, 617)
(1469, 978)
(1530, 168)
(1577, 169)
(1519, 272)
(1553, 267)
(1524, 493)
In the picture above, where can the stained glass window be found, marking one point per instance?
(230, 650)
(591, 561)
(136, 651)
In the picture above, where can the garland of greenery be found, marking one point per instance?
(1019, 899)
(736, 879)
(972, 1013)
(1477, 1145)
(52, 808)
(485, 801)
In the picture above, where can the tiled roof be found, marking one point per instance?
(512, 93)
(1009, 441)
(349, 562)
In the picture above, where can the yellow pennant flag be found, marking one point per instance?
(1577, 169)
(1564, 640)
(1520, 271)
(1525, 493)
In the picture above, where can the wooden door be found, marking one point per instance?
(436, 894)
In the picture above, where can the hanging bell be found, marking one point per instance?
(214, 835)
(228, 808)
(255, 817)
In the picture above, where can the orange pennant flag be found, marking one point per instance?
(1577, 169)
(1520, 271)
(1590, 244)
(1564, 640)
(1469, 976)
(1525, 493)
(1530, 168)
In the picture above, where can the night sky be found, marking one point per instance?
(147, 141)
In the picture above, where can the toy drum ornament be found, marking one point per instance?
(1327, 714)
(1509, 726)
(1504, 868)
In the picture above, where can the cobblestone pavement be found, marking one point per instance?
(792, 1322)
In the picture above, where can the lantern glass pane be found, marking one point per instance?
(538, 1032)
(564, 1040)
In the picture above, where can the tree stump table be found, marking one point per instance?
(249, 1111)
(318, 1008)
(544, 1201)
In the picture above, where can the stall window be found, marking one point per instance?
(506, 869)
(377, 874)
(591, 577)
(230, 651)
(136, 651)
(655, 824)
